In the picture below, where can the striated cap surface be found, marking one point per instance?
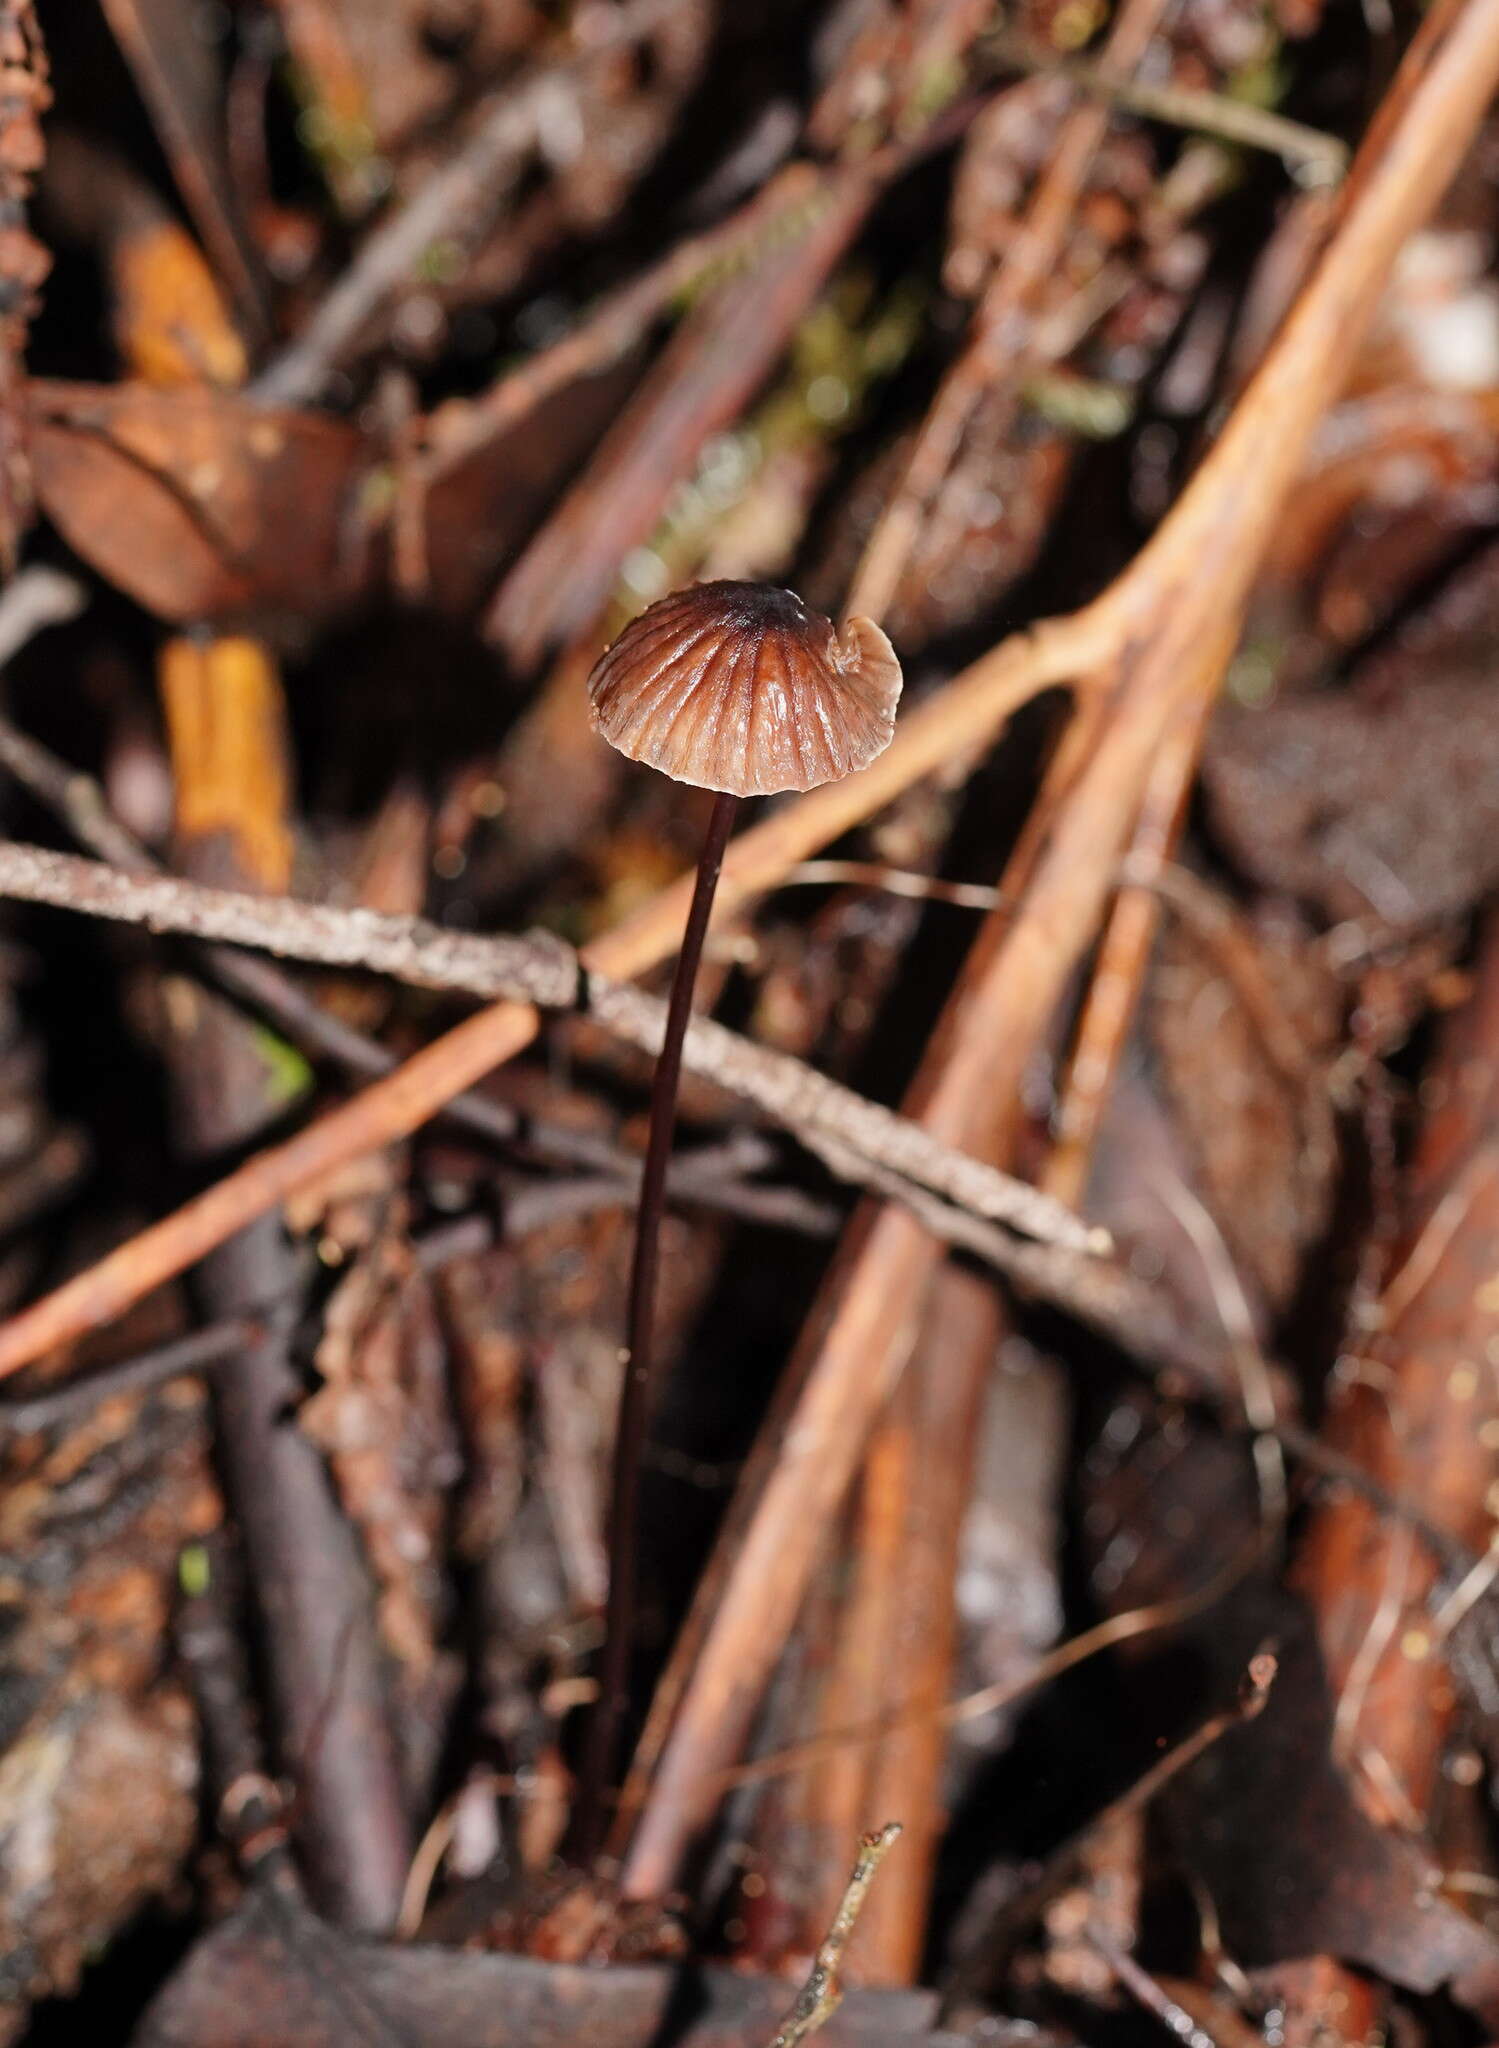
(740, 687)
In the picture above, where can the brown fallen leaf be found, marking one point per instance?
(201, 505)
(1382, 797)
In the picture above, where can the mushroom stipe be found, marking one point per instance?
(742, 689)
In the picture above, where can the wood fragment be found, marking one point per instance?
(822, 1994)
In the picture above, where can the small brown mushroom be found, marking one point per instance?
(739, 687)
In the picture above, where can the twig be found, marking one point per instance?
(461, 197)
(1124, 953)
(873, 874)
(406, 948)
(970, 710)
(822, 1994)
(79, 801)
(544, 971)
(1314, 157)
(1142, 1986)
(135, 1375)
(1185, 590)
(976, 1969)
(35, 598)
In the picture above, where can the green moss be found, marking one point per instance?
(194, 1570)
(288, 1075)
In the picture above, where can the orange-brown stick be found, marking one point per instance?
(1184, 591)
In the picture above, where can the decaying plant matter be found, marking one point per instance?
(1050, 1215)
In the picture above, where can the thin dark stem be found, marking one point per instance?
(635, 1391)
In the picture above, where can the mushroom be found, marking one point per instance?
(738, 688)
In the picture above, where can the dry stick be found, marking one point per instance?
(1187, 586)
(831, 1118)
(635, 1394)
(967, 713)
(464, 193)
(998, 356)
(934, 1417)
(1246, 475)
(977, 1969)
(956, 1324)
(1124, 955)
(80, 802)
(822, 1994)
(1314, 157)
(190, 1354)
(1143, 1987)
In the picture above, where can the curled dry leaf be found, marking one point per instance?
(200, 504)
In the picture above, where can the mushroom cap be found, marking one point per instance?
(740, 687)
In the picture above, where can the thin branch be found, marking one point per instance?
(1187, 588)
(34, 599)
(147, 1369)
(542, 970)
(1143, 1987)
(822, 1994)
(79, 801)
(976, 1968)
(966, 713)
(1312, 156)
(460, 198)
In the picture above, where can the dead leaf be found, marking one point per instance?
(201, 505)
(1383, 796)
